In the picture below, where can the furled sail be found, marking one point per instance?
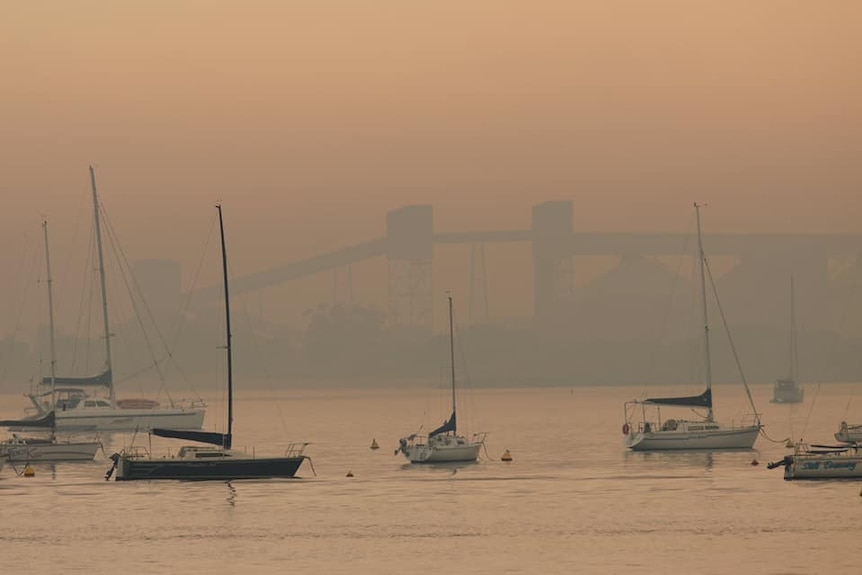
(47, 421)
(448, 426)
(702, 400)
(213, 438)
(104, 379)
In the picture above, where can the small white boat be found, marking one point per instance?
(822, 462)
(849, 433)
(19, 449)
(443, 445)
(31, 449)
(644, 429)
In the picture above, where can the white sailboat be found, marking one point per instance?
(78, 409)
(786, 389)
(443, 445)
(645, 434)
(31, 449)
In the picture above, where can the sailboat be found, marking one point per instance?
(29, 449)
(683, 434)
(215, 460)
(77, 409)
(443, 445)
(786, 389)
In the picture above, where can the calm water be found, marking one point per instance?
(573, 501)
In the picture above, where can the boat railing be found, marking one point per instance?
(136, 452)
(296, 449)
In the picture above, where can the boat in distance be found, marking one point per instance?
(443, 445)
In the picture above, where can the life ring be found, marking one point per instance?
(625, 428)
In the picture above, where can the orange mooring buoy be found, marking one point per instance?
(29, 471)
(374, 444)
(349, 474)
(506, 456)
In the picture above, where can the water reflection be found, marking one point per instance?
(231, 496)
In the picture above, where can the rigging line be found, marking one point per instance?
(261, 360)
(810, 410)
(134, 290)
(26, 289)
(842, 319)
(677, 277)
(730, 340)
(467, 382)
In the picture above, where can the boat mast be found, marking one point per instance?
(98, 226)
(227, 325)
(707, 365)
(792, 333)
(49, 280)
(452, 361)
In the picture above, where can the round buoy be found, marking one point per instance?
(506, 456)
(29, 471)
(349, 474)
(755, 461)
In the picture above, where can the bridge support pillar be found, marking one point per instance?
(552, 257)
(410, 250)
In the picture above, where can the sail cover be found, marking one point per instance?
(219, 439)
(702, 400)
(104, 379)
(46, 421)
(448, 426)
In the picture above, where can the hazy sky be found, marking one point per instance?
(310, 119)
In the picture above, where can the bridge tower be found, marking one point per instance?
(410, 250)
(477, 311)
(552, 257)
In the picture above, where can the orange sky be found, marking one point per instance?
(311, 119)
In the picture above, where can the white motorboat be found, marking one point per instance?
(443, 445)
(644, 429)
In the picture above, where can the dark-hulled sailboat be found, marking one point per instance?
(215, 460)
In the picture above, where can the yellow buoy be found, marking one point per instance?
(29, 471)
(506, 456)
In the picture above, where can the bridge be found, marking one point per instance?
(409, 240)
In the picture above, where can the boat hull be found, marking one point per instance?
(227, 469)
(130, 419)
(445, 454)
(725, 438)
(838, 466)
(39, 450)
